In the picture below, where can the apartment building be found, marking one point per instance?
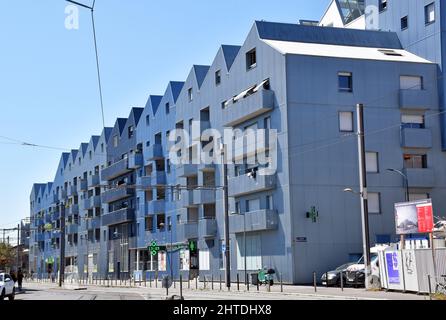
(302, 81)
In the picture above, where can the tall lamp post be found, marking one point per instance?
(244, 246)
(406, 181)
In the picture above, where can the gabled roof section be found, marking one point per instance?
(175, 87)
(327, 35)
(154, 102)
(83, 148)
(107, 133)
(49, 187)
(74, 154)
(65, 156)
(136, 112)
(95, 141)
(200, 73)
(120, 124)
(229, 54)
(37, 187)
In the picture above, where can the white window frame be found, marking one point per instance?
(372, 206)
(429, 16)
(343, 122)
(372, 167)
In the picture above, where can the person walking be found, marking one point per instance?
(20, 278)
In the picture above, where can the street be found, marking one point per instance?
(49, 291)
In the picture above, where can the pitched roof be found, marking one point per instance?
(137, 112)
(120, 123)
(327, 35)
(154, 102)
(176, 87)
(229, 54)
(200, 73)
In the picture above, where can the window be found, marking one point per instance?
(346, 121)
(161, 221)
(429, 13)
(148, 120)
(204, 259)
(102, 147)
(411, 83)
(217, 77)
(382, 5)
(167, 108)
(251, 59)
(345, 80)
(374, 204)
(413, 121)
(115, 141)
(415, 161)
(371, 162)
(149, 224)
(131, 131)
(404, 23)
(418, 196)
(190, 94)
(269, 203)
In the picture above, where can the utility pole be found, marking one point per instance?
(226, 224)
(18, 246)
(62, 245)
(364, 195)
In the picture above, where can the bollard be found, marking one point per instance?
(258, 284)
(196, 283)
(281, 283)
(314, 282)
(204, 283)
(430, 286)
(150, 280)
(268, 286)
(342, 280)
(326, 279)
(188, 283)
(156, 281)
(181, 286)
(247, 281)
(212, 282)
(238, 282)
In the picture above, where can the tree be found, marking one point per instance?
(7, 255)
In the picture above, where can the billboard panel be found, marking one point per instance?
(414, 217)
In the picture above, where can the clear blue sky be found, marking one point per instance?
(48, 88)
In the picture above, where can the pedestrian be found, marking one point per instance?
(20, 278)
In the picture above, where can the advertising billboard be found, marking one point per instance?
(414, 217)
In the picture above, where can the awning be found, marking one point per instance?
(260, 86)
(243, 94)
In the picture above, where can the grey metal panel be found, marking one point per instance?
(420, 178)
(186, 170)
(187, 231)
(157, 206)
(116, 194)
(260, 220)
(135, 160)
(93, 180)
(118, 217)
(187, 198)
(416, 138)
(207, 228)
(115, 170)
(204, 196)
(416, 99)
(243, 185)
(155, 151)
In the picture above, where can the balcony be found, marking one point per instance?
(154, 152)
(201, 127)
(158, 178)
(84, 185)
(420, 178)
(187, 231)
(248, 108)
(55, 198)
(207, 228)
(117, 217)
(94, 180)
(136, 160)
(145, 182)
(72, 191)
(74, 209)
(93, 223)
(187, 199)
(115, 170)
(55, 216)
(204, 196)
(261, 220)
(39, 237)
(39, 222)
(116, 194)
(416, 138)
(186, 170)
(72, 228)
(156, 207)
(63, 195)
(93, 202)
(243, 185)
(210, 167)
(416, 99)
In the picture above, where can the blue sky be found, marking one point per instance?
(48, 88)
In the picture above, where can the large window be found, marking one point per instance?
(345, 81)
(429, 13)
(411, 83)
(415, 161)
(372, 162)
(346, 121)
(374, 202)
(413, 121)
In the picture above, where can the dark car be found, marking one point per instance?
(334, 276)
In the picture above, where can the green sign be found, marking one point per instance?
(154, 248)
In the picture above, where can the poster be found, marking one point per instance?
(162, 261)
(393, 273)
(414, 217)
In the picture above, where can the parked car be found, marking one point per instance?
(334, 276)
(7, 288)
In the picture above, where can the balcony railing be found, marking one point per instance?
(260, 220)
(94, 180)
(187, 231)
(72, 228)
(416, 138)
(242, 185)
(186, 170)
(72, 190)
(83, 185)
(115, 170)
(187, 199)
(93, 202)
(207, 228)
(156, 207)
(93, 223)
(416, 99)
(73, 209)
(155, 151)
(201, 127)
(116, 194)
(136, 160)
(420, 178)
(248, 108)
(158, 178)
(204, 196)
(117, 217)
(145, 182)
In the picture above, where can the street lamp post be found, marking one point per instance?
(406, 181)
